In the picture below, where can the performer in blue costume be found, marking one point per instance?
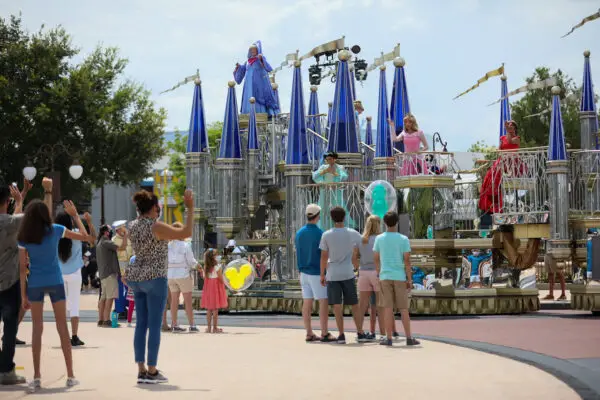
(476, 258)
(330, 172)
(257, 84)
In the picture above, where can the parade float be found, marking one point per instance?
(255, 186)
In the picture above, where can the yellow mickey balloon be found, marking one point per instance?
(245, 270)
(230, 273)
(239, 274)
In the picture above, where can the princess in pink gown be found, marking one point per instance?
(413, 138)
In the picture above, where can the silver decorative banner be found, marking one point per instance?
(337, 44)
(186, 80)
(379, 61)
(583, 22)
(531, 86)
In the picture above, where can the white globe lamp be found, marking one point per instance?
(29, 172)
(76, 170)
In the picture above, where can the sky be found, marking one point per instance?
(447, 46)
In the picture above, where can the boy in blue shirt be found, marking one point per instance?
(392, 261)
(308, 256)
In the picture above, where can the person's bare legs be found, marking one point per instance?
(356, 315)
(389, 322)
(550, 287)
(74, 325)
(406, 323)
(324, 316)
(108, 303)
(363, 305)
(100, 310)
(338, 311)
(165, 325)
(373, 319)
(37, 319)
(174, 308)
(60, 316)
(381, 320)
(209, 321)
(563, 284)
(307, 306)
(216, 328)
(189, 310)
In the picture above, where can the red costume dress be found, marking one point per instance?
(490, 199)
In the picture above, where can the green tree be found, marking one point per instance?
(105, 122)
(177, 149)
(534, 130)
(481, 146)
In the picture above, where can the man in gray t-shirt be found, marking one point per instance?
(337, 272)
(10, 285)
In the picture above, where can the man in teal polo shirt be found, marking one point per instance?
(308, 256)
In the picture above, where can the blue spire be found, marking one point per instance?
(369, 133)
(275, 88)
(504, 106)
(343, 136)
(314, 123)
(297, 148)
(231, 146)
(369, 142)
(557, 150)
(252, 131)
(399, 106)
(383, 147)
(197, 136)
(587, 92)
(352, 82)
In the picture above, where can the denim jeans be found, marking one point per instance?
(150, 301)
(10, 304)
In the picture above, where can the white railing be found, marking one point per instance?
(585, 184)
(349, 195)
(424, 163)
(520, 186)
(466, 205)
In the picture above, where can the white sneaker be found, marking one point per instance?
(34, 385)
(72, 382)
(129, 325)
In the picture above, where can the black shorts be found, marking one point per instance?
(342, 292)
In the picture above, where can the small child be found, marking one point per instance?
(392, 261)
(214, 295)
(130, 299)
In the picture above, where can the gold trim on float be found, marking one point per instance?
(584, 222)
(531, 231)
(424, 181)
(244, 119)
(261, 242)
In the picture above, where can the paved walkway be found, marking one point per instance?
(255, 359)
(269, 363)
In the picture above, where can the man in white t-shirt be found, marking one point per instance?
(181, 263)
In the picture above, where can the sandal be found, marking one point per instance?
(562, 298)
(549, 297)
(312, 338)
(329, 338)
(217, 330)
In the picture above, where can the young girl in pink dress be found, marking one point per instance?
(214, 295)
(130, 299)
(413, 138)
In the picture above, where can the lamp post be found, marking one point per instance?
(437, 138)
(48, 153)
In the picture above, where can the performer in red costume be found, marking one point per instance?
(490, 199)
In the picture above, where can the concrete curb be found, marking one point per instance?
(583, 380)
